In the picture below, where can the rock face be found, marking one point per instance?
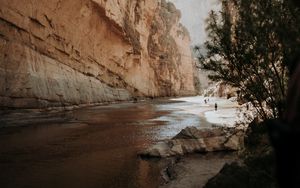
(220, 89)
(72, 52)
(191, 140)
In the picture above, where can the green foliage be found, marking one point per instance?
(251, 44)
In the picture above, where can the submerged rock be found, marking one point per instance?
(193, 140)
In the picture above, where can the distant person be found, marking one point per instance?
(216, 106)
(205, 101)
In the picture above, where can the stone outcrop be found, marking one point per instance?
(220, 89)
(256, 165)
(193, 140)
(72, 52)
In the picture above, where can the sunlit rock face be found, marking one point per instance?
(72, 52)
(220, 89)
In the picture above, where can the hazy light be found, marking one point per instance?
(194, 14)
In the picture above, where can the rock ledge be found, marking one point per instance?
(193, 140)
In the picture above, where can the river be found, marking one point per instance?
(93, 147)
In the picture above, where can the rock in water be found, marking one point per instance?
(191, 140)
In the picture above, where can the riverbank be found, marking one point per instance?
(228, 114)
(186, 172)
(254, 166)
(195, 170)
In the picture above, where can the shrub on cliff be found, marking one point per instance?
(250, 46)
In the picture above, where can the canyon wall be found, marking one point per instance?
(73, 52)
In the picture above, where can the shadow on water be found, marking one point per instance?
(89, 147)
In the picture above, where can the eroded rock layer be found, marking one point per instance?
(72, 52)
(193, 140)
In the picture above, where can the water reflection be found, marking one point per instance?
(89, 147)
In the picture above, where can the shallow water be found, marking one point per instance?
(89, 147)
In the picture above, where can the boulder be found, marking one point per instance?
(194, 133)
(193, 140)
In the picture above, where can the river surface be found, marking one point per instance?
(94, 147)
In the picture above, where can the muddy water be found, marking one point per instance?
(92, 147)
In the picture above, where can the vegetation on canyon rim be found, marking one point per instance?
(252, 46)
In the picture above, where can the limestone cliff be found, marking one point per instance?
(220, 89)
(71, 52)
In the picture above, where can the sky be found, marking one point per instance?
(193, 16)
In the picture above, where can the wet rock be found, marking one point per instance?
(193, 140)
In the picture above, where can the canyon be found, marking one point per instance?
(82, 52)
